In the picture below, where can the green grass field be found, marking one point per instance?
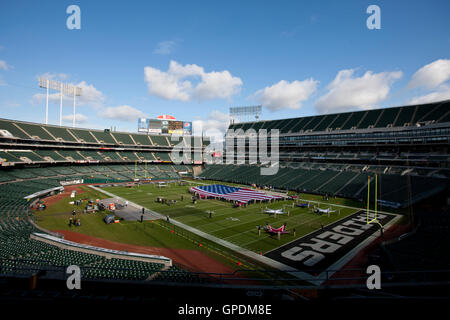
(152, 234)
(56, 217)
(236, 225)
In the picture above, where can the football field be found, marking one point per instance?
(236, 225)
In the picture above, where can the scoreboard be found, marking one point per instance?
(158, 126)
(176, 126)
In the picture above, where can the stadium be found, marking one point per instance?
(189, 209)
(287, 208)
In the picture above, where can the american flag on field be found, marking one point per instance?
(242, 195)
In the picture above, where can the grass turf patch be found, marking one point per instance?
(56, 217)
(236, 225)
(153, 234)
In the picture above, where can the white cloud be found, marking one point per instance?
(215, 85)
(284, 94)
(348, 92)
(79, 118)
(442, 94)
(214, 126)
(187, 70)
(431, 75)
(166, 85)
(165, 47)
(89, 96)
(52, 97)
(177, 83)
(122, 113)
(3, 65)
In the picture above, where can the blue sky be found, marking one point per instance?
(195, 59)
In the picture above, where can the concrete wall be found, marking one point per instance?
(100, 253)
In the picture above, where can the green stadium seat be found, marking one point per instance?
(123, 138)
(60, 133)
(103, 137)
(83, 135)
(13, 129)
(35, 131)
(142, 139)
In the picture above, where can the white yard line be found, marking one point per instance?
(250, 254)
(215, 215)
(284, 217)
(263, 259)
(341, 206)
(238, 214)
(245, 244)
(315, 230)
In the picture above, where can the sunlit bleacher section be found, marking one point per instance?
(123, 138)
(36, 157)
(23, 142)
(98, 173)
(407, 116)
(406, 147)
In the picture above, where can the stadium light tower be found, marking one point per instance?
(241, 112)
(63, 88)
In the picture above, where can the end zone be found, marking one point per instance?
(318, 255)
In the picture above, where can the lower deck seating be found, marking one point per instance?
(427, 246)
(21, 255)
(334, 180)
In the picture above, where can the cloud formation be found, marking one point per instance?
(122, 113)
(347, 92)
(431, 75)
(443, 93)
(3, 65)
(190, 82)
(79, 118)
(165, 47)
(286, 95)
(214, 126)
